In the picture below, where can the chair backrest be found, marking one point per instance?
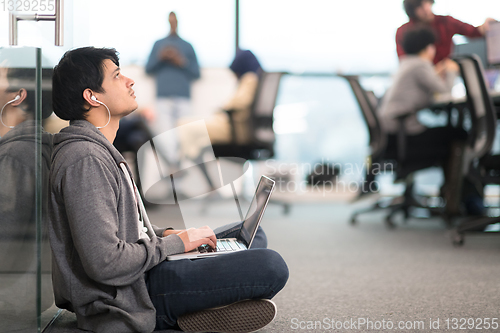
(260, 123)
(378, 137)
(262, 133)
(480, 104)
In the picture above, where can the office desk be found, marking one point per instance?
(447, 102)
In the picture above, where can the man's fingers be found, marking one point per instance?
(197, 237)
(210, 239)
(213, 240)
(208, 235)
(208, 232)
(211, 243)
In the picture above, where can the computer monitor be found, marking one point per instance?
(473, 46)
(493, 44)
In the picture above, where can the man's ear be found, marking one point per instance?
(22, 93)
(87, 96)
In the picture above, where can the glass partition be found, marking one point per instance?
(25, 150)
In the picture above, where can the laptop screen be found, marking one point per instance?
(493, 44)
(256, 210)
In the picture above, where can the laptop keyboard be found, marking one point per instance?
(222, 246)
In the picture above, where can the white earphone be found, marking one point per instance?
(109, 113)
(1, 112)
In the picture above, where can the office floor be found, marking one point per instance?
(340, 273)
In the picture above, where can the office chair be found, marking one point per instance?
(261, 143)
(484, 168)
(404, 167)
(260, 146)
(377, 136)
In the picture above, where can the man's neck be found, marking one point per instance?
(110, 130)
(422, 22)
(12, 118)
(4, 130)
(425, 57)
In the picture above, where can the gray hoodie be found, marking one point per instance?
(98, 259)
(413, 89)
(20, 171)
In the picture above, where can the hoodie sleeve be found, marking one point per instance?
(429, 81)
(91, 195)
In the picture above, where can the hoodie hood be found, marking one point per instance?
(24, 131)
(82, 130)
(20, 142)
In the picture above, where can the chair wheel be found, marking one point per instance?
(388, 223)
(406, 213)
(457, 239)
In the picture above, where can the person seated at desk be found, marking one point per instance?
(247, 69)
(413, 89)
(416, 82)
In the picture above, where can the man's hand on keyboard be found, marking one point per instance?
(193, 238)
(205, 248)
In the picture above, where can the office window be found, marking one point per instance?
(315, 35)
(322, 35)
(132, 27)
(331, 36)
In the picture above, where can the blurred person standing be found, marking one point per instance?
(445, 27)
(174, 64)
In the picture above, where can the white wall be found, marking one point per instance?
(292, 35)
(209, 93)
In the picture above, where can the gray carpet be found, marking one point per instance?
(341, 273)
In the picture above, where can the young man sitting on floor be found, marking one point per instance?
(108, 265)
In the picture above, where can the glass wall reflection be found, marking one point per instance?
(25, 151)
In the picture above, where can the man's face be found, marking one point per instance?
(172, 19)
(424, 12)
(118, 94)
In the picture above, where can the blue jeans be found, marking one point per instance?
(186, 286)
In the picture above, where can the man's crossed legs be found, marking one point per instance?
(186, 286)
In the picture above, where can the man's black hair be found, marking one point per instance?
(411, 5)
(417, 39)
(78, 70)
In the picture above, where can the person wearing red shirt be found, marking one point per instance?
(420, 13)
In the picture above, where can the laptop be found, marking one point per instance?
(248, 228)
(493, 44)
